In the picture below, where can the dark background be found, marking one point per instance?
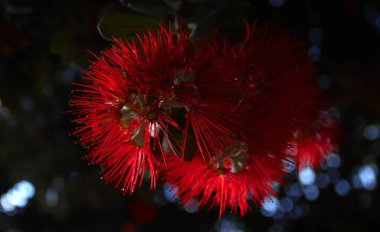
(42, 49)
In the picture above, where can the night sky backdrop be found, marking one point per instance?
(47, 185)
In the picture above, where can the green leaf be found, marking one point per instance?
(63, 44)
(151, 7)
(125, 24)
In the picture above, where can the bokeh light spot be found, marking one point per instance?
(322, 180)
(371, 132)
(307, 176)
(315, 53)
(334, 161)
(311, 192)
(270, 207)
(286, 204)
(367, 176)
(17, 196)
(342, 187)
(192, 206)
(170, 194)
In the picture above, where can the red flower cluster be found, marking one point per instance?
(217, 120)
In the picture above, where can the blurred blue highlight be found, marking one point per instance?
(307, 176)
(311, 192)
(342, 187)
(315, 53)
(17, 197)
(192, 206)
(371, 132)
(270, 207)
(333, 161)
(367, 176)
(170, 194)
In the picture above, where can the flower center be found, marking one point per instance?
(233, 159)
(133, 118)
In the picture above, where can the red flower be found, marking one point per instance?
(284, 90)
(210, 90)
(270, 86)
(313, 143)
(225, 181)
(217, 117)
(122, 106)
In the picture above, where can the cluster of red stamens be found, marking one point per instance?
(217, 120)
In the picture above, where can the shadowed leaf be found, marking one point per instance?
(152, 7)
(124, 24)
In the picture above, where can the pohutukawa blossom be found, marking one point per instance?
(313, 143)
(124, 103)
(227, 180)
(214, 118)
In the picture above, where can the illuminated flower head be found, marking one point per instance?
(315, 141)
(228, 180)
(123, 105)
(215, 119)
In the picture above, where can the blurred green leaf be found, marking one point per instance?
(64, 45)
(125, 24)
(151, 7)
